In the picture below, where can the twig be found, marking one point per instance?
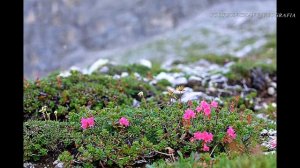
(171, 155)
(213, 149)
(163, 153)
(101, 164)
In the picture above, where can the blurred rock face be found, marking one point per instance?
(61, 33)
(54, 28)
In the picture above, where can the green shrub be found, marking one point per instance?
(71, 93)
(152, 130)
(43, 138)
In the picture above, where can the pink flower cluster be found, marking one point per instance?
(205, 136)
(231, 132)
(87, 122)
(206, 107)
(273, 143)
(124, 122)
(189, 114)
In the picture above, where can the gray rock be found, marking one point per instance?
(194, 79)
(229, 64)
(99, 63)
(153, 82)
(55, 162)
(59, 165)
(104, 69)
(137, 75)
(188, 90)
(135, 103)
(124, 74)
(215, 76)
(194, 96)
(271, 91)
(146, 63)
(75, 68)
(28, 165)
(257, 107)
(273, 84)
(166, 76)
(116, 76)
(65, 74)
(180, 81)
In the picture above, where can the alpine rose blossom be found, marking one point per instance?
(214, 104)
(87, 122)
(198, 108)
(231, 132)
(204, 104)
(123, 121)
(205, 147)
(205, 136)
(198, 135)
(189, 114)
(207, 111)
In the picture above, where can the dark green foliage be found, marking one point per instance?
(71, 93)
(42, 138)
(151, 129)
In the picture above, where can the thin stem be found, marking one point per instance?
(213, 149)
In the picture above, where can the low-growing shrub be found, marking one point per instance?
(69, 94)
(145, 134)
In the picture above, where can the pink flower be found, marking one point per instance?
(273, 143)
(204, 104)
(205, 136)
(205, 147)
(198, 108)
(214, 104)
(189, 114)
(87, 122)
(231, 132)
(123, 121)
(84, 123)
(207, 111)
(91, 121)
(198, 135)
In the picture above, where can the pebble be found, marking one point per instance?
(116, 76)
(180, 81)
(194, 78)
(135, 103)
(166, 76)
(104, 69)
(124, 74)
(28, 165)
(59, 165)
(146, 63)
(99, 63)
(194, 96)
(273, 84)
(65, 74)
(271, 91)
